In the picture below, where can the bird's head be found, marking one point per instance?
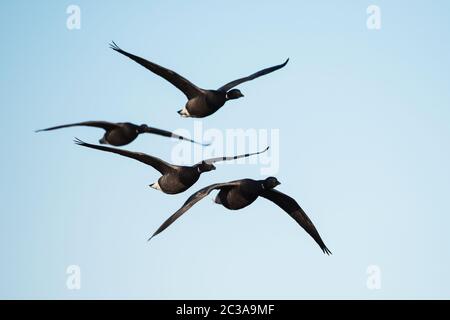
(271, 183)
(205, 167)
(234, 94)
(142, 128)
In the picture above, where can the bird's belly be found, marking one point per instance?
(120, 138)
(200, 107)
(233, 199)
(171, 184)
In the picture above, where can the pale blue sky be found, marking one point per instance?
(364, 128)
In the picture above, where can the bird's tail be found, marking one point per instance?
(184, 113)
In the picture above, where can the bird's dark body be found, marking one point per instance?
(238, 197)
(206, 104)
(178, 180)
(121, 135)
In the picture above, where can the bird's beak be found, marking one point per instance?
(278, 183)
(242, 95)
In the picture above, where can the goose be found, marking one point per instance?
(121, 133)
(201, 102)
(175, 179)
(239, 194)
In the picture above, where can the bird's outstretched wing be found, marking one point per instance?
(212, 160)
(98, 124)
(258, 74)
(296, 212)
(172, 135)
(196, 197)
(160, 165)
(188, 88)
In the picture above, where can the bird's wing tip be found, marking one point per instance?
(262, 151)
(114, 46)
(77, 141)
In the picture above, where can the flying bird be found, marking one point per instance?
(239, 194)
(121, 133)
(201, 102)
(175, 179)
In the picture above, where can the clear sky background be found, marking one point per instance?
(364, 148)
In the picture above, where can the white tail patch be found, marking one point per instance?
(156, 186)
(184, 113)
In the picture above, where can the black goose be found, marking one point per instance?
(175, 179)
(201, 103)
(122, 133)
(239, 194)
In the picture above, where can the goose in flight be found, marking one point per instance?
(175, 179)
(239, 194)
(121, 133)
(201, 102)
